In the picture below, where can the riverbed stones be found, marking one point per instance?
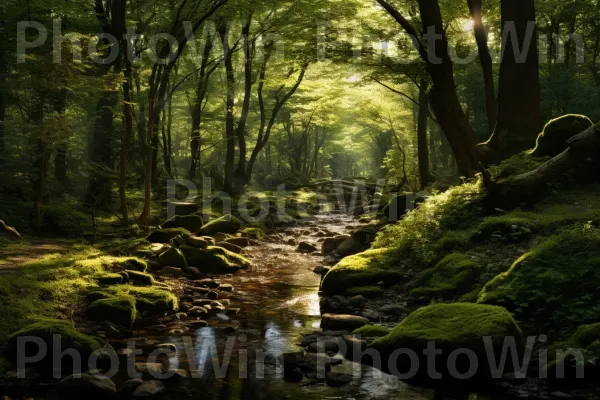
(226, 288)
(393, 309)
(129, 387)
(202, 302)
(149, 390)
(330, 245)
(239, 241)
(321, 270)
(357, 301)
(209, 283)
(88, 386)
(231, 247)
(171, 347)
(328, 345)
(349, 247)
(197, 312)
(212, 295)
(192, 223)
(342, 322)
(199, 323)
(337, 379)
(173, 258)
(172, 271)
(197, 241)
(150, 370)
(292, 359)
(305, 247)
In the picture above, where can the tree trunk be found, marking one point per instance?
(512, 191)
(40, 160)
(485, 60)
(230, 134)
(422, 148)
(127, 135)
(2, 117)
(519, 116)
(444, 98)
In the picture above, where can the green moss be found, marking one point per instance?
(148, 299)
(372, 331)
(214, 259)
(119, 310)
(173, 258)
(454, 275)
(165, 235)
(36, 289)
(253, 233)
(225, 224)
(518, 164)
(368, 268)
(453, 210)
(556, 283)
(509, 226)
(140, 278)
(44, 329)
(367, 291)
(451, 326)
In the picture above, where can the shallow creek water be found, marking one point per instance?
(279, 303)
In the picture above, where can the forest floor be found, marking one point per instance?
(19, 253)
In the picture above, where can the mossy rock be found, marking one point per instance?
(553, 139)
(70, 338)
(451, 327)
(192, 223)
(520, 163)
(165, 235)
(253, 232)
(364, 269)
(367, 291)
(455, 275)
(214, 259)
(225, 224)
(173, 258)
(109, 279)
(150, 299)
(119, 310)
(555, 284)
(140, 278)
(372, 331)
(197, 241)
(136, 264)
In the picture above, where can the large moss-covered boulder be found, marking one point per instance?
(562, 363)
(165, 235)
(553, 139)
(225, 224)
(192, 223)
(555, 284)
(173, 258)
(70, 338)
(450, 327)
(119, 310)
(371, 267)
(455, 275)
(214, 259)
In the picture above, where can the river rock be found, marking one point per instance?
(167, 347)
(292, 359)
(293, 375)
(150, 370)
(88, 386)
(199, 324)
(129, 387)
(212, 295)
(321, 270)
(209, 283)
(173, 258)
(197, 312)
(342, 322)
(202, 302)
(194, 272)
(226, 288)
(336, 379)
(305, 247)
(149, 389)
(172, 271)
(357, 301)
(331, 244)
(231, 247)
(192, 223)
(196, 241)
(349, 247)
(325, 346)
(393, 309)
(239, 241)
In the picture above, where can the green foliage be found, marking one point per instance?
(369, 268)
(451, 326)
(455, 209)
(367, 291)
(539, 285)
(518, 164)
(370, 331)
(453, 276)
(119, 310)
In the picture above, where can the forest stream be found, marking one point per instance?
(278, 300)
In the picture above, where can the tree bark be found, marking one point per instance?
(519, 116)
(230, 134)
(443, 96)
(486, 63)
(422, 147)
